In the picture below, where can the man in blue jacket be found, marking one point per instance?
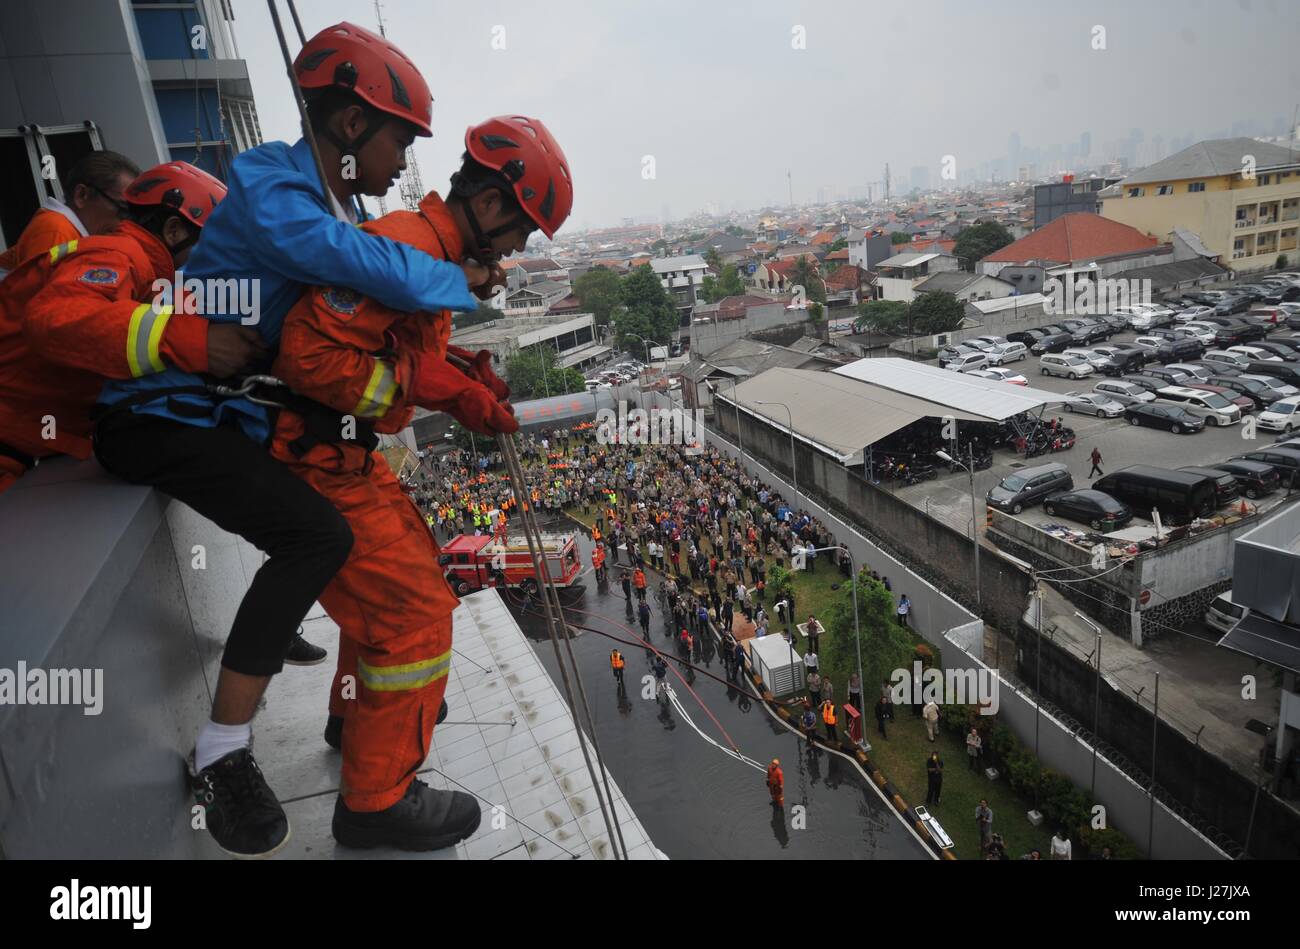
(277, 230)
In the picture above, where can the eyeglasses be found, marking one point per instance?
(123, 209)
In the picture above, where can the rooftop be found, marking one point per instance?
(1073, 238)
(1214, 157)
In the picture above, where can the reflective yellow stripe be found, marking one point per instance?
(61, 251)
(378, 397)
(412, 675)
(143, 337)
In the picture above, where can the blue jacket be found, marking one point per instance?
(275, 227)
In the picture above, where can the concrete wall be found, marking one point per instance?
(708, 336)
(1064, 749)
(1198, 786)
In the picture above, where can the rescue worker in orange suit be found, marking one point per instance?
(617, 663)
(828, 718)
(638, 581)
(598, 562)
(776, 782)
(93, 188)
(75, 316)
(373, 365)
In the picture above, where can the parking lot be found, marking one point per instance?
(947, 497)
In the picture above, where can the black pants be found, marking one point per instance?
(934, 789)
(233, 482)
(1096, 469)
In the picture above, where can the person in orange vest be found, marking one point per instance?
(617, 662)
(78, 315)
(638, 581)
(776, 782)
(391, 601)
(93, 204)
(596, 534)
(828, 718)
(598, 562)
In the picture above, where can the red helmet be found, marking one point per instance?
(347, 57)
(190, 192)
(524, 152)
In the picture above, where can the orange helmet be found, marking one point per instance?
(345, 56)
(178, 186)
(523, 151)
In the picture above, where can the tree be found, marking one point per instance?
(598, 292)
(728, 284)
(734, 230)
(837, 245)
(804, 274)
(886, 646)
(976, 242)
(713, 259)
(881, 316)
(815, 312)
(659, 245)
(533, 374)
(646, 310)
(900, 237)
(485, 313)
(935, 312)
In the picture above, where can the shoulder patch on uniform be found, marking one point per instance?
(100, 276)
(341, 299)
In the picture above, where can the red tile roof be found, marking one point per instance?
(841, 254)
(1075, 237)
(934, 245)
(848, 277)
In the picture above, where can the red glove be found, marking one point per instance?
(481, 371)
(441, 387)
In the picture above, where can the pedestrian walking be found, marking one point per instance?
(815, 687)
(974, 744)
(931, 715)
(660, 668)
(1095, 458)
(984, 822)
(904, 608)
(934, 778)
(626, 580)
(644, 612)
(616, 663)
(776, 783)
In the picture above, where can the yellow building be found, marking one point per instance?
(1242, 197)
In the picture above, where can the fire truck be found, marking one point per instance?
(474, 563)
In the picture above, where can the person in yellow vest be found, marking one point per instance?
(828, 717)
(776, 782)
(94, 193)
(616, 663)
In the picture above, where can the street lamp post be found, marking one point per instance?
(794, 474)
(969, 465)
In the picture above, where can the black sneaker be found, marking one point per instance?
(334, 727)
(424, 819)
(242, 813)
(303, 653)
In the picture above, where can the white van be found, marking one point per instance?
(1223, 614)
(1222, 358)
(1214, 408)
(1069, 367)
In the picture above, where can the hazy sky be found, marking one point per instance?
(715, 92)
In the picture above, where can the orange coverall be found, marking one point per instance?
(776, 784)
(46, 229)
(73, 317)
(390, 600)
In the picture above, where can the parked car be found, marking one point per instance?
(1194, 312)
(1026, 337)
(1226, 489)
(1028, 486)
(983, 345)
(1053, 343)
(1254, 353)
(1194, 371)
(1285, 350)
(1204, 332)
(1285, 372)
(1223, 614)
(1255, 479)
(1226, 357)
(1171, 418)
(993, 340)
(1214, 408)
(1243, 402)
(1116, 322)
(1097, 509)
(1001, 375)
(1172, 377)
(1002, 353)
(1238, 331)
(949, 353)
(966, 362)
(1150, 383)
(1125, 393)
(1069, 367)
(1148, 342)
(1178, 350)
(1284, 390)
(1286, 460)
(1145, 316)
(1259, 393)
(1097, 360)
(1179, 496)
(1093, 403)
(1267, 316)
(1087, 331)
(1282, 416)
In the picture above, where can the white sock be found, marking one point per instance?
(216, 741)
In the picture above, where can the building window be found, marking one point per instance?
(1196, 186)
(1265, 180)
(1165, 189)
(1136, 192)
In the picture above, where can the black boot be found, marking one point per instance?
(242, 812)
(424, 819)
(303, 653)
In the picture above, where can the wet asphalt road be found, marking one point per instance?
(694, 800)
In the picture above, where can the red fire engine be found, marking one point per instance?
(474, 563)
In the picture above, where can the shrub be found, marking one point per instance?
(925, 654)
